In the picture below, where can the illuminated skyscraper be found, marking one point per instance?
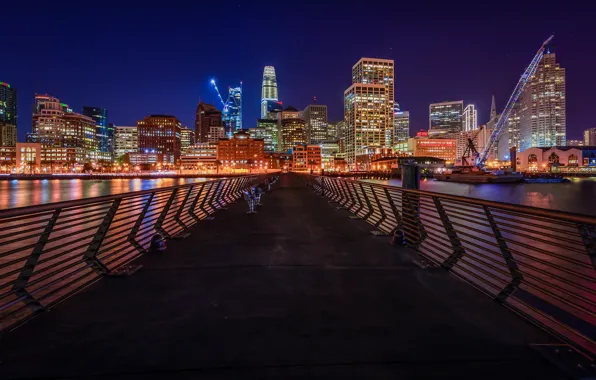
(208, 123)
(160, 134)
(187, 138)
(232, 112)
(368, 108)
(103, 132)
(268, 91)
(8, 115)
(293, 129)
(315, 116)
(445, 118)
(126, 140)
(470, 118)
(542, 107)
(401, 126)
(271, 134)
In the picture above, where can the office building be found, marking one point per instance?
(232, 112)
(575, 143)
(401, 125)
(293, 129)
(445, 118)
(200, 156)
(256, 133)
(208, 123)
(315, 116)
(160, 134)
(368, 109)
(271, 134)
(126, 140)
(306, 158)
(329, 151)
(269, 95)
(55, 125)
(469, 118)
(445, 149)
(187, 138)
(104, 131)
(590, 137)
(8, 115)
(542, 106)
(241, 152)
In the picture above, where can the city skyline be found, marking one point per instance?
(473, 79)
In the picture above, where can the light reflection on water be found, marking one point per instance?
(21, 193)
(577, 196)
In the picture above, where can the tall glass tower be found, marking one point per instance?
(104, 131)
(269, 90)
(232, 112)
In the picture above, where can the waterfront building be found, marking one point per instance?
(8, 115)
(160, 134)
(401, 125)
(469, 118)
(104, 131)
(445, 149)
(269, 95)
(241, 152)
(315, 116)
(306, 158)
(278, 160)
(552, 158)
(126, 140)
(293, 129)
(187, 138)
(148, 161)
(575, 143)
(28, 157)
(590, 137)
(200, 156)
(208, 123)
(271, 134)
(543, 106)
(445, 117)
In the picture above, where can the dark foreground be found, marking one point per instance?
(297, 290)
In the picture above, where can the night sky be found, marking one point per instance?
(144, 60)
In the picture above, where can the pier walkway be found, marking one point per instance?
(298, 290)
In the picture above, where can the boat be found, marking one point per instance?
(474, 175)
(546, 179)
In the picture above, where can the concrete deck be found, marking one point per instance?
(295, 291)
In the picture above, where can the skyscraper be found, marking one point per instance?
(590, 137)
(268, 91)
(271, 134)
(542, 107)
(103, 132)
(160, 134)
(445, 117)
(126, 140)
(187, 138)
(8, 115)
(315, 116)
(470, 118)
(368, 108)
(401, 126)
(232, 112)
(293, 129)
(208, 123)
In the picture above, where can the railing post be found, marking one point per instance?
(412, 203)
(20, 284)
(202, 206)
(90, 256)
(360, 204)
(368, 203)
(588, 234)
(213, 201)
(181, 208)
(191, 209)
(164, 214)
(458, 249)
(349, 202)
(132, 236)
(381, 210)
(516, 276)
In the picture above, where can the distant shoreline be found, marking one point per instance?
(33, 177)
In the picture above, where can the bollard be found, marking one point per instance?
(410, 177)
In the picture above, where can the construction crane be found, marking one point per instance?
(521, 84)
(471, 150)
(218, 93)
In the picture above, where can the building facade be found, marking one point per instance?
(315, 116)
(306, 158)
(293, 129)
(241, 152)
(8, 115)
(187, 138)
(160, 134)
(268, 91)
(232, 112)
(590, 137)
(445, 118)
(401, 126)
(547, 158)
(104, 131)
(208, 123)
(445, 149)
(126, 140)
(271, 134)
(543, 107)
(201, 156)
(469, 118)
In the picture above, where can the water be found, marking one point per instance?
(15, 193)
(577, 196)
